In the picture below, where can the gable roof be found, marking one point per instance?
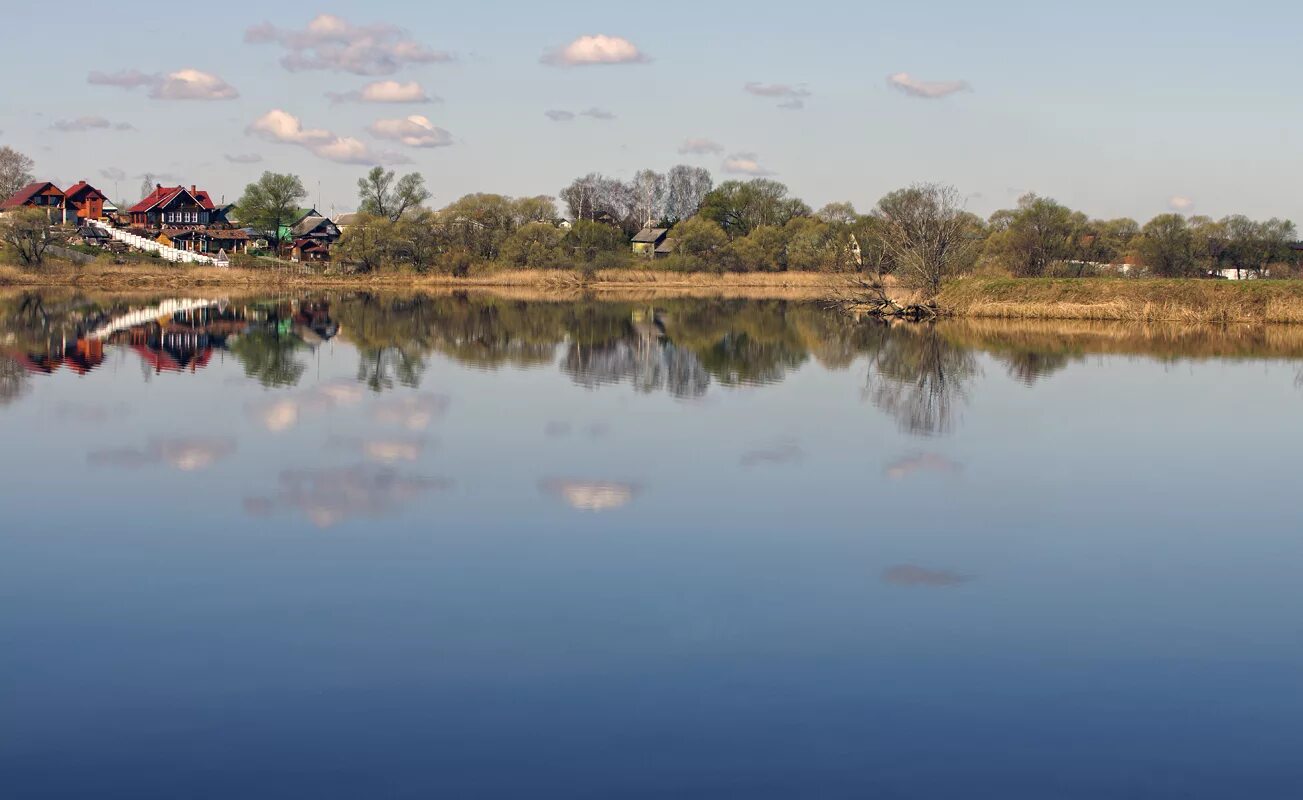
(25, 194)
(163, 195)
(309, 224)
(82, 187)
(650, 235)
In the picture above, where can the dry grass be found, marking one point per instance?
(136, 276)
(1127, 300)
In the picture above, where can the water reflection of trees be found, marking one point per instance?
(920, 379)
(270, 357)
(13, 380)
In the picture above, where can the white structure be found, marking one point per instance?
(166, 308)
(150, 246)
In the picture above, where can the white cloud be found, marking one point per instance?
(184, 84)
(1180, 203)
(89, 123)
(700, 147)
(192, 84)
(385, 92)
(243, 158)
(281, 126)
(930, 90)
(413, 131)
(745, 164)
(332, 43)
(559, 115)
(597, 49)
(793, 97)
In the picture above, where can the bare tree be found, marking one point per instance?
(649, 197)
(15, 171)
(686, 188)
(929, 235)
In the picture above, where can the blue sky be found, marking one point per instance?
(1114, 108)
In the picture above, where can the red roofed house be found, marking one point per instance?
(173, 206)
(84, 201)
(43, 195)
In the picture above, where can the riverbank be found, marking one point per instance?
(1104, 299)
(516, 284)
(1126, 300)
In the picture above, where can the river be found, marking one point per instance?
(471, 546)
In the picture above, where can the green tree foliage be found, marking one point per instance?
(587, 241)
(368, 243)
(1037, 234)
(271, 203)
(740, 207)
(1167, 246)
(382, 194)
(535, 245)
(701, 242)
(27, 233)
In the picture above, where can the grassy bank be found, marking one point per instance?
(1125, 299)
(521, 283)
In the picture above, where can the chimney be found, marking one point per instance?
(193, 189)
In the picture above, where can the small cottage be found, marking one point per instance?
(173, 207)
(43, 195)
(647, 240)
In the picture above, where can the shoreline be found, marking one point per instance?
(1086, 299)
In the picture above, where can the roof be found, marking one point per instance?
(309, 244)
(25, 194)
(668, 246)
(162, 195)
(650, 235)
(211, 233)
(82, 187)
(309, 224)
(347, 219)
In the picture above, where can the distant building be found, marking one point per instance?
(346, 221)
(83, 201)
(206, 240)
(647, 240)
(173, 207)
(43, 195)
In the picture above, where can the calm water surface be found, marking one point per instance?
(359, 546)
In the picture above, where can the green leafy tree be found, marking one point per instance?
(367, 244)
(1168, 246)
(740, 207)
(588, 240)
(271, 204)
(382, 194)
(536, 245)
(1037, 234)
(27, 233)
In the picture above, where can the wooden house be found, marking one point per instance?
(83, 201)
(648, 239)
(43, 195)
(208, 240)
(173, 207)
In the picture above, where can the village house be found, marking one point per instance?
(173, 207)
(43, 195)
(205, 240)
(83, 201)
(648, 239)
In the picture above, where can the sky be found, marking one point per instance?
(1113, 108)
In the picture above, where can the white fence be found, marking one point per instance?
(150, 246)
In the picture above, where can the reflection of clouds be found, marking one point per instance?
(285, 412)
(414, 412)
(328, 497)
(384, 450)
(590, 495)
(782, 453)
(910, 575)
(183, 454)
(924, 462)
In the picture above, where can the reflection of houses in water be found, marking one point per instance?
(646, 358)
(172, 335)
